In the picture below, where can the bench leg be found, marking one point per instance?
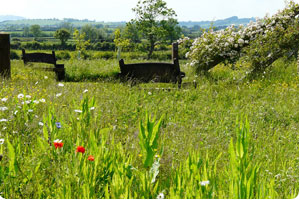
(179, 81)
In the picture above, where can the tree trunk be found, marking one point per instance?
(152, 44)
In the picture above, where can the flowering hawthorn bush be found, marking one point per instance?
(227, 46)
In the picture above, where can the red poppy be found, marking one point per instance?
(58, 144)
(91, 158)
(80, 149)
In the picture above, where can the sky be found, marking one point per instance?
(121, 10)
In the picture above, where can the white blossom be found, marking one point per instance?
(20, 96)
(3, 108)
(4, 99)
(60, 85)
(160, 196)
(78, 111)
(204, 183)
(1, 141)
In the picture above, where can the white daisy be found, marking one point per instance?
(3, 108)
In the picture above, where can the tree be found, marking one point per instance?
(90, 32)
(63, 35)
(26, 31)
(174, 31)
(81, 44)
(120, 42)
(131, 32)
(152, 16)
(35, 30)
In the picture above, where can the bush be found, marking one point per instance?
(227, 46)
(14, 55)
(104, 55)
(63, 55)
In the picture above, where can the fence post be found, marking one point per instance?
(5, 55)
(175, 53)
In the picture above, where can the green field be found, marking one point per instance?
(190, 158)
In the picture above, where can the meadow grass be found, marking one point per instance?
(198, 136)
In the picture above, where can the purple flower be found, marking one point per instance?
(58, 125)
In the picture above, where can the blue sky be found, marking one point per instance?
(120, 10)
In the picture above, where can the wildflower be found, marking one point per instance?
(91, 158)
(1, 141)
(149, 93)
(41, 123)
(3, 108)
(157, 156)
(58, 125)
(36, 83)
(204, 183)
(42, 100)
(140, 155)
(28, 96)
(78, 111)
(80, 149)
(3, 120)
(4, 99)
(15, 112)
(45, 77)
(36, 102)
(20, 96)
(30, 110)
(61, 85)
(58, 95)
(85, 91)
(160, 196)
(92, 108)
(58, 143)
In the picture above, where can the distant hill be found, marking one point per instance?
(10, 22)
(10, 17)
(221, 22)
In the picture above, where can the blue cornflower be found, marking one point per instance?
(58, 125)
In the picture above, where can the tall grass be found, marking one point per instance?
(196, 148)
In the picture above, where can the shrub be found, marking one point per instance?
(104, 55)
(227, 45)
(63, 55)
(14, 55)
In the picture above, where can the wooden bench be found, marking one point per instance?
(157, 72)
(59, 69)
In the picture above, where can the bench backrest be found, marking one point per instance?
(39, 57)
(162, 72)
